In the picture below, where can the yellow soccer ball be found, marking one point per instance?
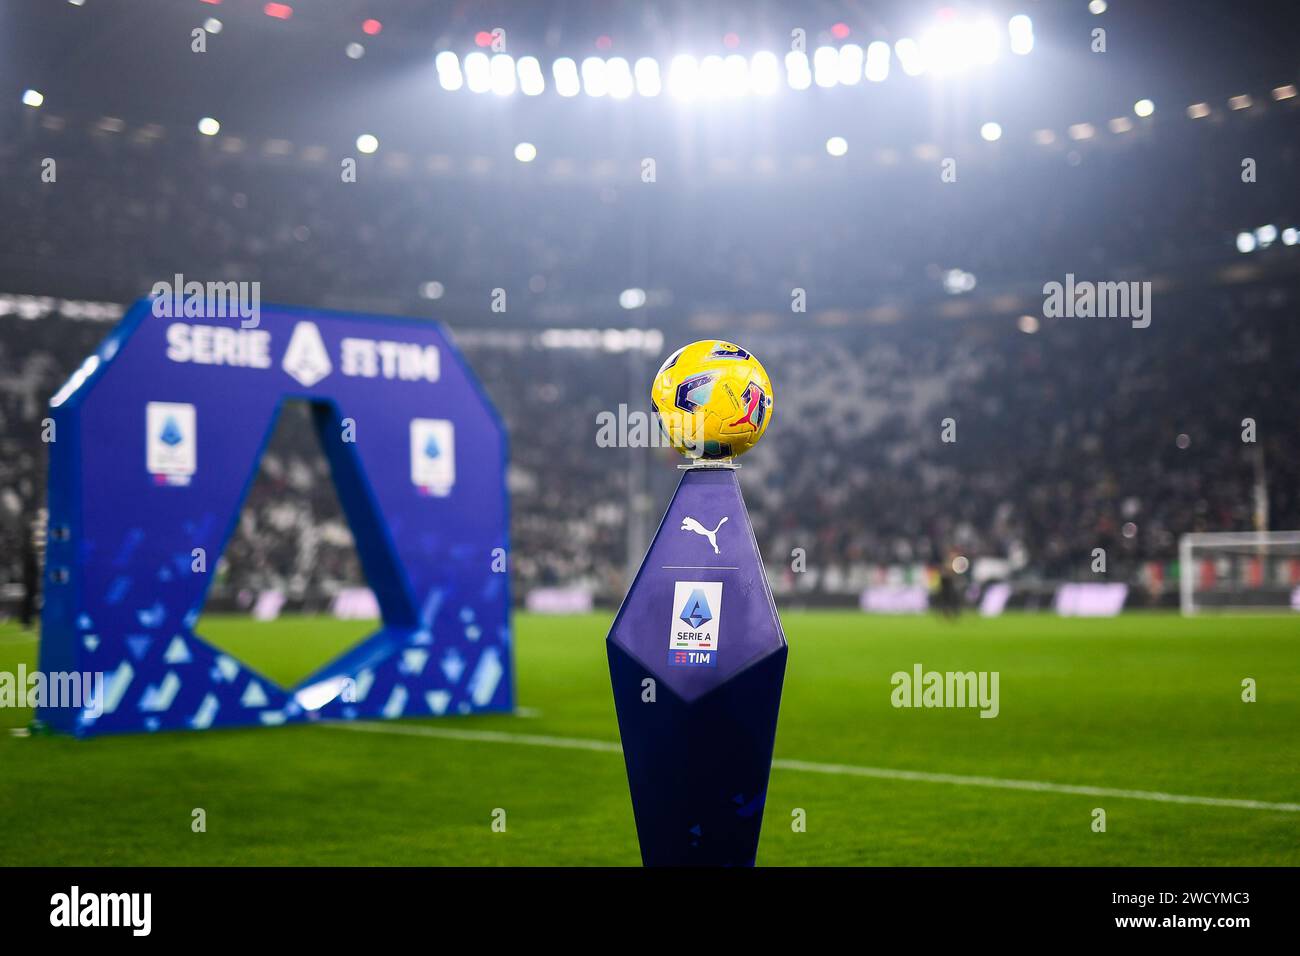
(714, 400)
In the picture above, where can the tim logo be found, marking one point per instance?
(693, 634)
(171, 452)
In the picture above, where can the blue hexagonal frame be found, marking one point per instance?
(157, 440)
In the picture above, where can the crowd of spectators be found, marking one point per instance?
(1070, 433)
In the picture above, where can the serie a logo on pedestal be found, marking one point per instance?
(693, 632)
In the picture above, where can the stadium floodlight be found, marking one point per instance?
(565, 72)
(525, 152)
(797, 72)
(478, 72)
(1021, 31)
(595, 81)
(909, 56)
(1198, 110)
(1120, 124)
(1245, 242)
(1080, 131)
(1284, 92)
(877, 69)
(618, 76)
(735, 75)
(1242, 102)
(1266, 236)
(826, 66)
(33, 98)
(1097, 7)
(209, 127)
(448, 67)
(367, 143)
(956, 45)
(684, 76)
(432, 290)
(631, 298)
(646, 71)
(1290, 236)
(212, 25)
(1144, 107)
(1238, 571)
(851, 59)
(712, 78)
(991, 132)
(764, 72)
(354, 51)
(837, 146)
(503, 74)
(531, 81)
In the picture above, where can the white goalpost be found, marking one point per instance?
(1239, 571)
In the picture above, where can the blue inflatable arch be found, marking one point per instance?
(157, 440)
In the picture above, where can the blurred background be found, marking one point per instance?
(636, 176)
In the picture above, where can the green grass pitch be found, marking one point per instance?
(1145, 702)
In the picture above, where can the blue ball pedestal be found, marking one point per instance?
(696, 661)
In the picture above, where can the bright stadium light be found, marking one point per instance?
(209, 127)
(503, 74)
(851, 59)
(1266, 236)
(955, 45)
(837, 146)
(1245, 242)
(531, 81)
(1144, 107)
(991, 132)
(1097, 7)
(735, 75)
(797, 73)
(631, 298)
(826, 66)
(684, 76)
(354, 51)
(367, 143)
(909, 56)
(1021, 31)
(525, 152)
(565, 72)
(619, 77)
(594, 79)
(432, 290)
(877, 61)
(646, 72)
(711, 76)
(1290, 236)
(478, 72)
(33, 98)
(448, 66)
(765, 72)
(212, 25)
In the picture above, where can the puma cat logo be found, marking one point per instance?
(690, 524)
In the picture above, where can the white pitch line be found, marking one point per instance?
(845, 770)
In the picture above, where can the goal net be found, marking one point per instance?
(1240, 571)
